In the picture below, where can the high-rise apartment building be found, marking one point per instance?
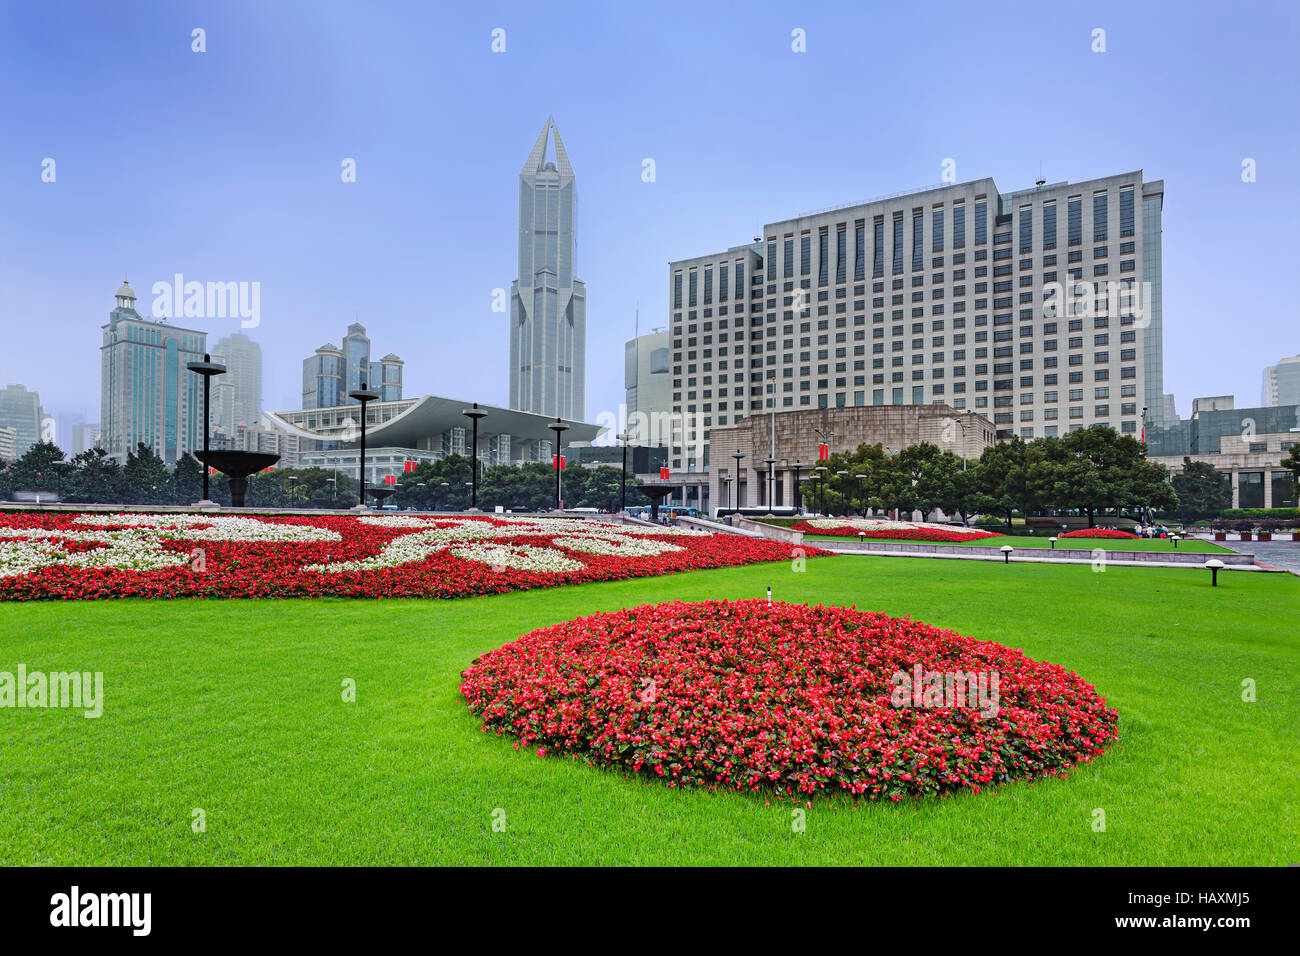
(548, 306)
(241, 385)
(1282, 383)
(1039, 309)
(147, 395)
(21, 410)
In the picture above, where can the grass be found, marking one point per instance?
(236, 708)
(1194, 545)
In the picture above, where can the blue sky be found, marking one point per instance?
(225, 165)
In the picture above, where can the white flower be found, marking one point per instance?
(617, 546)
(519, 557)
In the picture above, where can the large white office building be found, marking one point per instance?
(1039, 309)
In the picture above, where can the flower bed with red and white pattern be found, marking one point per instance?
(99, 555)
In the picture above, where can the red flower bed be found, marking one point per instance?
(69, 555)
(798, 700)
(914, 533)
(1096, 533)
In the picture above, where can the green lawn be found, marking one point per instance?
(235, 707)
(1075, 544)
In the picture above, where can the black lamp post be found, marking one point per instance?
(821, 489)
(475, 414)
(771, 482)
(446, 487)
(863, 479)
(334, 491)
(559, 428)
(365, 396)
(816, 487)
(726, 488)
(207, 368)
(738, 455)
(844, 490)
(622, 478)
(795, 497)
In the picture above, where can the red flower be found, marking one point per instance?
(796, 700)
(1096, 533)
(273, 569)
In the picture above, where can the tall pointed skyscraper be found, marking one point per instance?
(548, 306)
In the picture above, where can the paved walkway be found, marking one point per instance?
(1278, 554)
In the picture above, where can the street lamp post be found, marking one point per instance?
(365, 396)
(738, 455)
(795, 495)
(726, 488)
(863, 479)
(475, 414)
(815, 479)
(844, 490)
(821, 489)
(622, 478)
(559, 428)
(771, 481)
(334, 490)
(207, 368)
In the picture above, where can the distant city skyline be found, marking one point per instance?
(424, 243)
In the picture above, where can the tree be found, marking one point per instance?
(1292, 461)
(94, 478)
(1003, 479)
(1203, 491)
(187, 480)
(145, 478)
(40, 468)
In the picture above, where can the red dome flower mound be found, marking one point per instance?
(798, 700)
(1096, 533)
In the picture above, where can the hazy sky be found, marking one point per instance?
(225, 165)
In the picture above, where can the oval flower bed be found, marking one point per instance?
(1097, 533)
(799, 700)
(885, 528)
(99, 555)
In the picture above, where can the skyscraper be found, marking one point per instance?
(1282, 383)
(241, 398)
(322, 378)
(21, 411)
(331, 372)
(146, 393)
(1040, 308)
(548, 306)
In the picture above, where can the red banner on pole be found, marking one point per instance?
(663, 474)
(390, 479)
(409, 465)
(557, 461)
(823, 452)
